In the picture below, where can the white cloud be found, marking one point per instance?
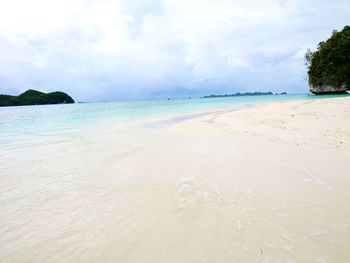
(99, 50)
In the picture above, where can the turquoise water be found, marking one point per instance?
(104, 182)
(30, 124)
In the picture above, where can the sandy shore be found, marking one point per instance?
(289, 164)
(316, 123)
(268, 183)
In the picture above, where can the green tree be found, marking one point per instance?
(330, 63)
(34, 97)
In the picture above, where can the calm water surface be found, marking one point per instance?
(30, 124)
(79, 183)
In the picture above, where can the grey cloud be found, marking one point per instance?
(105, 50)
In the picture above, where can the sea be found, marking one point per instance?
(91, 182)
(27, 125)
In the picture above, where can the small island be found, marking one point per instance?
(329, 65)
(34, 97)
(238, 95)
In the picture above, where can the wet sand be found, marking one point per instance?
(263, 184)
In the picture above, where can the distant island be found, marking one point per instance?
(329, 66)
(240, 94)
(34, 97)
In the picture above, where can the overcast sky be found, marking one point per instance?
(128, 49)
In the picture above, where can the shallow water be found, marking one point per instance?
(31, 124)
(89, 183)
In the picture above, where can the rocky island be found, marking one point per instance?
(34, 97)
(238, 95)
(329, 65)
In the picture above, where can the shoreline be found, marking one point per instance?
(276, 117)
(213, 188)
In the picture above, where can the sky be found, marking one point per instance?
(104, 50)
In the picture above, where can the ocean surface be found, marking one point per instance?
(34, 124)
(97, 182)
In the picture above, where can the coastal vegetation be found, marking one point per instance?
(329, 65)
(34, 97)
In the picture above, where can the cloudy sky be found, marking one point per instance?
(100, 50)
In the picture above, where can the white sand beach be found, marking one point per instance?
(286, 166)
(268, 183)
